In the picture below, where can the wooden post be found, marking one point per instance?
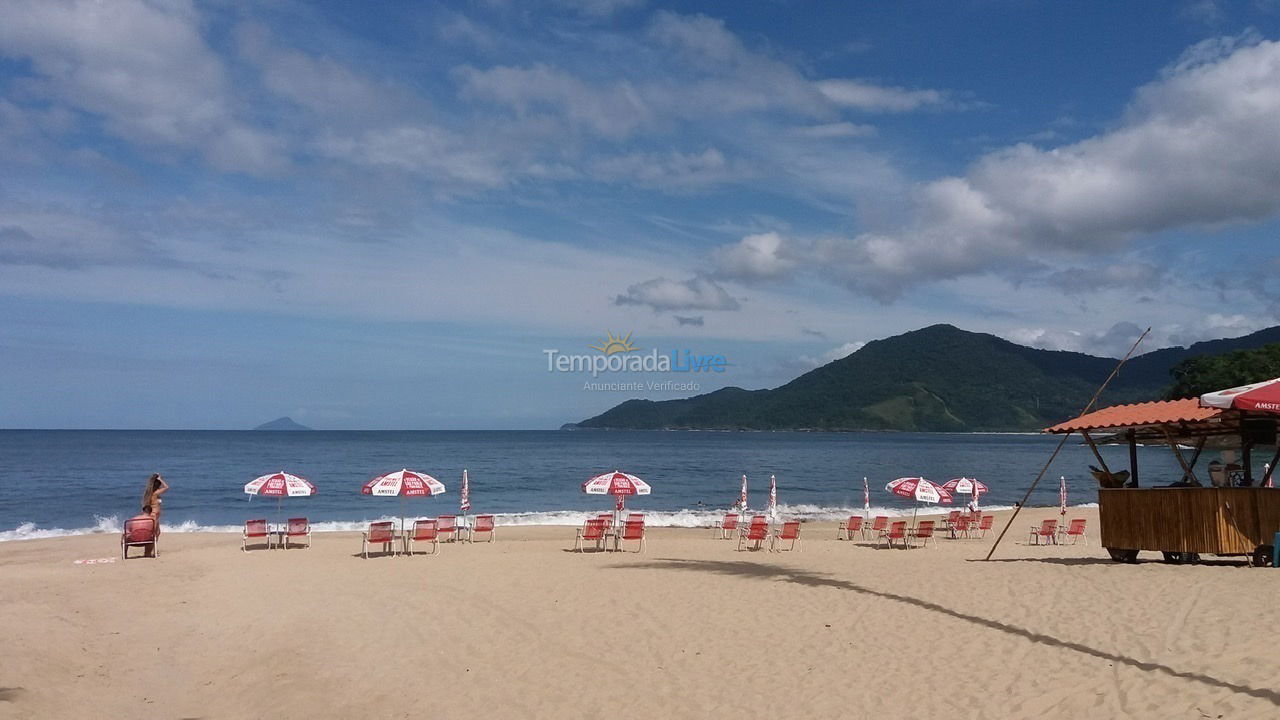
(1133, 458)
(1272, 467)
(1246, 447)
(1094, 447)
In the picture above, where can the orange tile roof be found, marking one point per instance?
(1147, 413)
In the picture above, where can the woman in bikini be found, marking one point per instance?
(151, 502)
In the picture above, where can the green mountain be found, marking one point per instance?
(939, 378)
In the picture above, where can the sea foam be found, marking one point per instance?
(691, 518)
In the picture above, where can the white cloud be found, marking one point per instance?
(755, 257)
(834, 130)
(836, 353)
(142, 67)
(668, 171)
(862, 95)
(1198, 147)
(661, 294)
(614, 111)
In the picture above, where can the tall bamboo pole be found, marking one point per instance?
(1063, 442)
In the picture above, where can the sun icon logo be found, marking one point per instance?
(615, 345)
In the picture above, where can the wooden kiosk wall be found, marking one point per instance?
(1224, 521)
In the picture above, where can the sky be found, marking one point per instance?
(384, 215)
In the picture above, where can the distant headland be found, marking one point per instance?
(284, 423)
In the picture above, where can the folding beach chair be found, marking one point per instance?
(255, 530)
(632, 530)
(483, 524)
(1048, 532)
(447, 525)
(896, 533)
(297, 528)
(924, 533)
(757, 532)
(790, 531)
(985, 524)
(849, 527)
(878, 526)
(592, 531)
(950, 522)
(379, 533)
(726, 527)
(140, 531)
(960, 528)
(423, 531)
(1075, 531)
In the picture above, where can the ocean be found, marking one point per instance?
(73, 482)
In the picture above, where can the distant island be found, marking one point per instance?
(939, 378)
(284, 423)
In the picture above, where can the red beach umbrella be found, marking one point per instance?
(403, 483)
(464, 498)
(920, 490)
(1260, 397)
(966, 486)
(280, 485)
(616, 483)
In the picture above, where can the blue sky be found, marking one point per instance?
(380, 215)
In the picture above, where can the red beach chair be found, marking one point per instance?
(632, 530)
(961, 527)
(255, 530)
(140, 531)
(878, 526)
(849, 527)
(726, 527)
(1048, 531)
(952, 517)
(758, 532)
(1075, 531)
(897, 532)
(790, 531)
(924, 533)
(592, 531)
(423, 531)
(448, 525)
(298, 527)
(985, 524)
(379, 533)
(483, 524)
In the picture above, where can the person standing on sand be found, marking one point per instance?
(151, 502)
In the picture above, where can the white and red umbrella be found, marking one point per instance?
(280, 485)
(464, 497)
(1062, 495)
(403, 483)
(742, 496)
(966, 486)
(866, 497)
(617, 483)
(1260, 397)
(920, 490)
(773, 497)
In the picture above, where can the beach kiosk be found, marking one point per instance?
(1215, 510)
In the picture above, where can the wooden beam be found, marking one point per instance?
(1094, 447)
(1133, 459)
(1186, 469)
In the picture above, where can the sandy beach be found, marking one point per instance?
(522, 628)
